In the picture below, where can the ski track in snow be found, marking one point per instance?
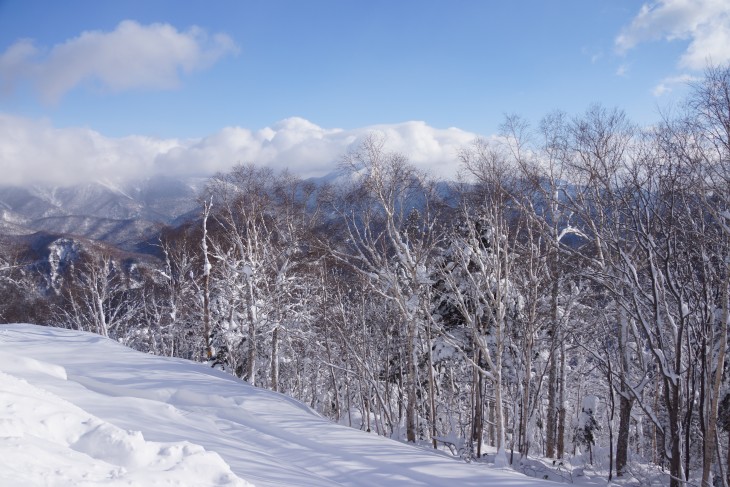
(78, 409)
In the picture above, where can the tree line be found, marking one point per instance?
(569, 293)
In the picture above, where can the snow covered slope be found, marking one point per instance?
(78, 409)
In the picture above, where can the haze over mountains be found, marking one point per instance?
(120, 214)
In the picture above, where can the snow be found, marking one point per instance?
(79, 409)
(590, 405)
(46, 440)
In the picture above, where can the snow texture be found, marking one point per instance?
(78, 409)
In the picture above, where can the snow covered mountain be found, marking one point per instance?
(78, 409)
(122, 214)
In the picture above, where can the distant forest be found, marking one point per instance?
(569, 295)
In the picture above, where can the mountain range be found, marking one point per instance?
(121, 214)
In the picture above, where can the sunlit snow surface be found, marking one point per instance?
(77, 409)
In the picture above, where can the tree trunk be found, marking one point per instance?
(477, 421)
(561, 405)
(275, 360)
(611, 413)
(553, 406)
(431, 385)
(251, 338)
(622, 441)
(655, 430)
(498, 407)
(411, 383)
(524, 409)
(689, 392)
(675, 461)
(626, 401)
(551, 420)
(728, 459)
(711, 429)
(206, 284)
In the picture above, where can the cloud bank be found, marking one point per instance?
(132, 56)
(705, 23)
(34, 151)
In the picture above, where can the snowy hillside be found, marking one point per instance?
(78, 409)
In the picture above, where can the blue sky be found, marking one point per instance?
(120, 88)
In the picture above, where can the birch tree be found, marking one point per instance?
(378, 246)
(477, 279)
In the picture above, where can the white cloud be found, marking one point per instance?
(660, 89)
(593, 54)
(666, 85)
(35, 151)
(704, 23)
(434, 150)
(130, 57)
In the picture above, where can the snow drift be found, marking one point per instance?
(78, 409)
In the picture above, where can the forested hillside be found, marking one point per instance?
(567, 298)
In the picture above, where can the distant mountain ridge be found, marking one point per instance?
(122, 214)
(128, 215)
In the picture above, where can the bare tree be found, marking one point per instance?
(379, 246)
(99, 297)
(478, 277)
(703, 139)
